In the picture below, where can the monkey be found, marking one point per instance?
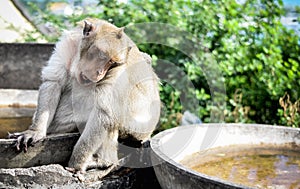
(99, 83)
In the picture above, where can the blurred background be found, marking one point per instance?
(256, 44)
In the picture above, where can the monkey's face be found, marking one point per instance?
(102, 47)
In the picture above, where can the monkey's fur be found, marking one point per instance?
(98, 82)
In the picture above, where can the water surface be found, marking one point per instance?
(253, 166)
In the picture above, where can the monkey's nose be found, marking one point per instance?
(84, 79)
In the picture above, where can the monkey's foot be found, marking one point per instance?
(97, 174)
(70, 169)
(92, 175)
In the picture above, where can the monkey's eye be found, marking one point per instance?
(103, 56)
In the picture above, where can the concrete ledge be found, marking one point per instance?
(55, 176)
(43, 167)
(53, 149)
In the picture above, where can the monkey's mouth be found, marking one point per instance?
(84, 80)
(99, 75)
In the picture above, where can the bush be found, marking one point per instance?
(258, 56)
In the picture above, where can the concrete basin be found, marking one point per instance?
(171, 146)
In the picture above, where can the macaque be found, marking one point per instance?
(96, 82)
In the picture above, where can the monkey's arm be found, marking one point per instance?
(55, 77)
(97, 134)
(100, 134)
(49, 95)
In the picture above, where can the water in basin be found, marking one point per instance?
(13, 124)
(259, 166)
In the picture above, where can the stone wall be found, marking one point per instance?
(21, 63)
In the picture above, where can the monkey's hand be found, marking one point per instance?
(26, 138)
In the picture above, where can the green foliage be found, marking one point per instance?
(256, 52)
(257, 55)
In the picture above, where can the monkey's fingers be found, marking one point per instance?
(71, 169)
(22, 141)
(14, 135)
(18, 143)
(79, 175)
(9, 135)
(18, 136)
(25, 143)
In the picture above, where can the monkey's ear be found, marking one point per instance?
(88, 28)
(120, 32)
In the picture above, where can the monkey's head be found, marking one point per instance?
(102, 47)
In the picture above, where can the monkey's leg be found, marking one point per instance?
(142, 123)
